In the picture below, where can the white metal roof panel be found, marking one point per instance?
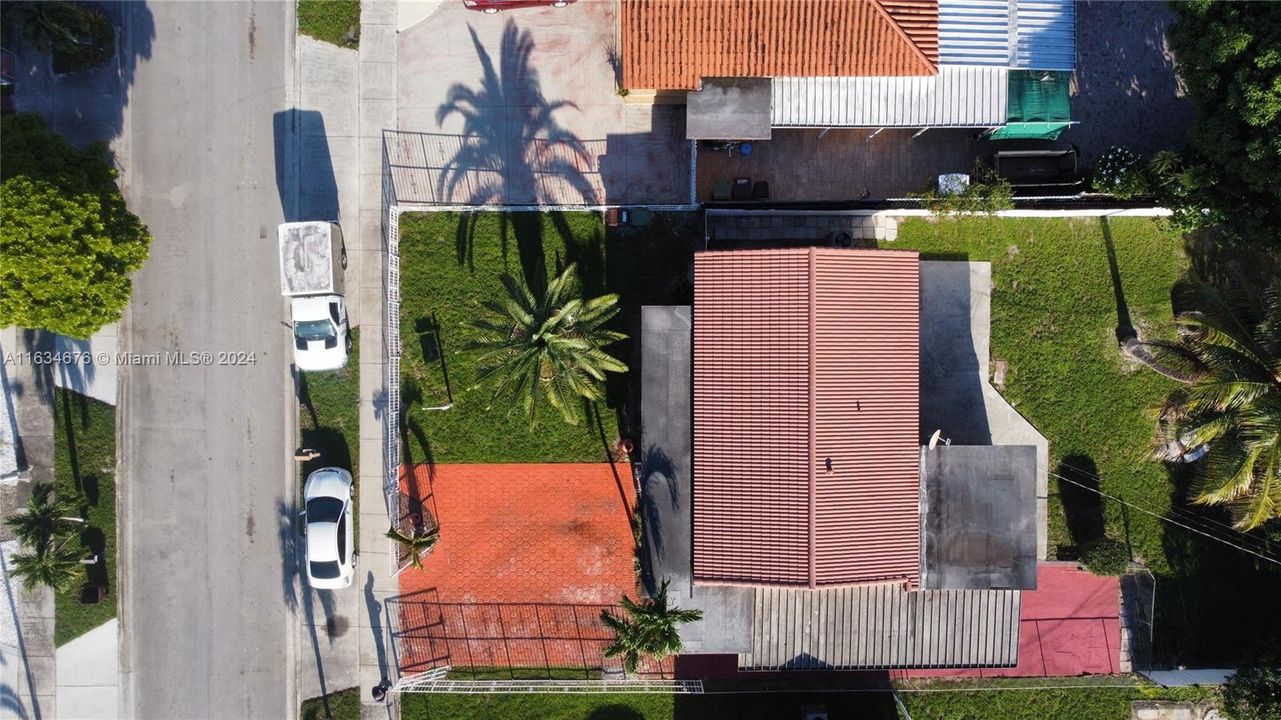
(882, 626)
(1046, 32)
(975, 32)
(956, 97)
(1024, 34)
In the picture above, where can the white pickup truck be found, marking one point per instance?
(308, 275)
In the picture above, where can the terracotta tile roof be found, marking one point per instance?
(554, 533)
(672, 44)
(799, 356)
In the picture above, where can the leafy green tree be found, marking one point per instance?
(1254, 691)
(1229, 58)
(649, 630)
(1229, 351)
(415, 544)
(67, 239)
(550, 347)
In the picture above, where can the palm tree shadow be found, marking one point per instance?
(512, 150)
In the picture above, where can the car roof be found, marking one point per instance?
(322, 542)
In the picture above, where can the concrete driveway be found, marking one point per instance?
(521, 108)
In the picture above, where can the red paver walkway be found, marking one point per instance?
(1070, 625)
(528, 556)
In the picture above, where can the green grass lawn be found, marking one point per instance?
(1054, 315)
(334, 21)
(329, 421)
(329, 414)
(1074, 703)
(1070, 703)
(341, 705)
(85, 468)
(451, 263)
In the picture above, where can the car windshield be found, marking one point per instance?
(314, 329)
(323, 510)
(324, 570)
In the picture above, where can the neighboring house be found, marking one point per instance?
(746, 68)
(811, 517)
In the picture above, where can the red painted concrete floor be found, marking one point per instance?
(1070, 625)
(528, 557)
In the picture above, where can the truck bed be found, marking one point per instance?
(306, 258)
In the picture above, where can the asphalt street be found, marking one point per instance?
(207, 476)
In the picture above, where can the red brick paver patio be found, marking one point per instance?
(528, 556)
(1069, 625)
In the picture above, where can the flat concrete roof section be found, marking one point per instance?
(980, 517)
(666, 492)
(729, 109)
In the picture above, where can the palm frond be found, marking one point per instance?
(1232, 402)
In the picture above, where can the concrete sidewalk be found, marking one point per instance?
(375, 575)
(29, 670)
(347, 99)
(89, 675)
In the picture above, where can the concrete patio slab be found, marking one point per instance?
(956, 395)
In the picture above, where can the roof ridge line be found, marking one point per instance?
(905, 37)
(812, 459)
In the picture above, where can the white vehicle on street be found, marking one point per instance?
(331, 560)
(313, 281)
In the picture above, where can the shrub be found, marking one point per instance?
(1254, 691)
(987, 193)
(1105, 556)
(1119, 172)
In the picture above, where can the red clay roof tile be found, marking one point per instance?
(673, 44)
(800, 356)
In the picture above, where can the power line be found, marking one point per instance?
(1174, 509)
(1262, 545)
(1170, 520)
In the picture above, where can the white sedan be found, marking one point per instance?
(331, 560)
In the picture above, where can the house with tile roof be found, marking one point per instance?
(745, 68)
(795, 489)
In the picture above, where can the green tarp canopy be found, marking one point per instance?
(1038, 106)
(1029, 131)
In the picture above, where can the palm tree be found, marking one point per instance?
(548, 347)
(47, 528)
(648, 631)
(1230, 351)
(414, 544)
(55, 564)
(43, 517)
(54, 25)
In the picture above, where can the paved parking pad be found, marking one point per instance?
(522, 108)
